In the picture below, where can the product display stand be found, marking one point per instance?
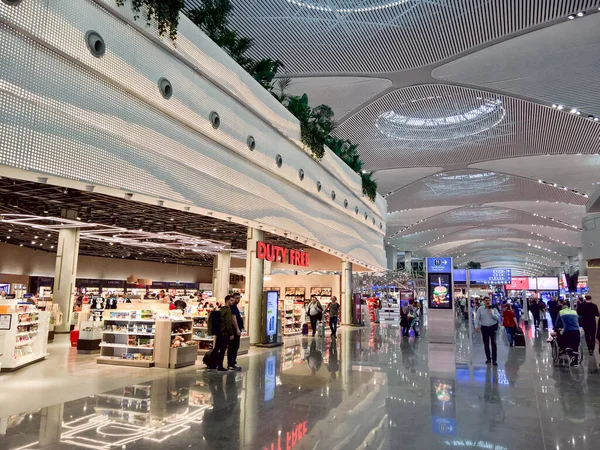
(90, 337)
(25, 341)
(128, 338)
(171, 350)
(201, 337)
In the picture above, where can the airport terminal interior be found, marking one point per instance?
(299, 224)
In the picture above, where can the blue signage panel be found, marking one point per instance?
(460, 276)
(271, 314)
(439, 265)
(443, 426)
(491, 276)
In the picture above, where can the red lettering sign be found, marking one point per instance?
(277, 253)
(291, 438)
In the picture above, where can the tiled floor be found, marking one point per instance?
(370, 389)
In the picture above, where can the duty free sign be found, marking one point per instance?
(276, 253)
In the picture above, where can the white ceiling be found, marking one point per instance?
(451, 104)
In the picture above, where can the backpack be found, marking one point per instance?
(214, 323)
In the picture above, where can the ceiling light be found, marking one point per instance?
(214, 229)
(580, 14)
(560, 107)
(573, 110)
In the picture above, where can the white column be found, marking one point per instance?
(221, 266)
(65, 274)
(408, 261)
(391, 254)
(254, 285)
(582, 264)
(346, 293)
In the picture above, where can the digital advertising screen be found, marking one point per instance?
(271, 317)
(440, 296)
(547, 283)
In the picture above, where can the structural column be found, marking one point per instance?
(408, 261)
(65, 274)
(346, 293)
(391, 254)
(221, 267)
(254, 284)
(590, 239)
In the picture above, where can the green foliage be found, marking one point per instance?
(316, 124)
(164, 12)
(369, 186)
(473, 265)
(212, 17)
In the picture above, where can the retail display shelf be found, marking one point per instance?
(28, 359)
(124, 398)
(24, 343)
(200, 328)
(112, 319)
(22, 324)
(203, 339)
(124, 362)
(27, 333)
(104, 344)
(181, 334)
(128, 334)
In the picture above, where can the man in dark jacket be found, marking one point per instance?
(554, 309)
(588, 314)
(534, 309)
(227, 332)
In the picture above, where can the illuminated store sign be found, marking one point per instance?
(277, 253)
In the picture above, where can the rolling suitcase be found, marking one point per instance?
(305, 328)
(519, 338)
(545, 324)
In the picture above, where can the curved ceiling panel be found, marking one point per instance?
(537, 64)
(372, 36)
(522, 129)
(484, 215)
(343, 94)
(392, 179)
(581, 173)
(468, 186)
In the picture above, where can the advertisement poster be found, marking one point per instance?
(547, 283)
(439, 291)
(271, 317)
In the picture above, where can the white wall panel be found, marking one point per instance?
(102, 120)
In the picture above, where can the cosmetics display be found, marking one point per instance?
(23, 337)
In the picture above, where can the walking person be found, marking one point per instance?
(227, 332)
(487, 320)
(534, 308)
(553, 309)
(315, 313)
(334, 314)
(588, 313)
(510, 324)
(238, 324)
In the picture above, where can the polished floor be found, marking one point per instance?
(369, 389)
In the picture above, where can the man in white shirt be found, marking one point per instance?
(487, 320)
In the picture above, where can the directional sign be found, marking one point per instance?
(443, 425)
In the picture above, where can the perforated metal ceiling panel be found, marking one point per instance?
(468, 186)
(317, 36)
(581, 172)
(343, 94)
(456, 129)
(538, 65)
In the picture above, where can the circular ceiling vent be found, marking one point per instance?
(442, 119)
(95, 43)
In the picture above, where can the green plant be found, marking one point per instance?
(316, 124)
(164, 12)
(473, 265)
(212, 17)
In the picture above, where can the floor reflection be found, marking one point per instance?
(370, 388)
